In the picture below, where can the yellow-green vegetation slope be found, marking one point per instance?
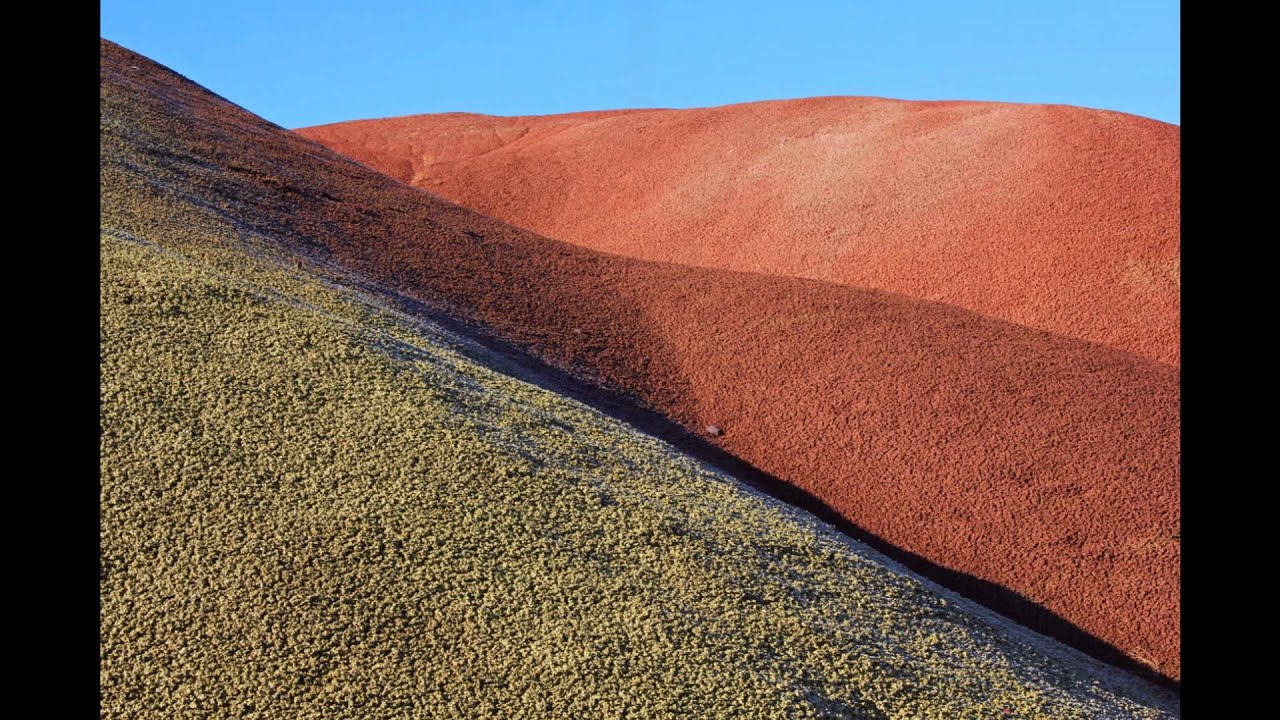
(316, 505)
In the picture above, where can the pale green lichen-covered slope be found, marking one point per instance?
(314, 505)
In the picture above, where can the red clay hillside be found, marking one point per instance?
(1021, 433)
(1054, 217)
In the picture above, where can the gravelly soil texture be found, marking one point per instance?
(314, 505)
(1056, 217)
(1022, 459)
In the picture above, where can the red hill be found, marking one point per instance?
(1055, 217)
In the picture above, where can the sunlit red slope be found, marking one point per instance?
(1020, 458)
(1056, 217)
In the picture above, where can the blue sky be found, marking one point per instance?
(306, 63)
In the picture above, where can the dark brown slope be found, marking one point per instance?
(1031, 461)
(1057, 217)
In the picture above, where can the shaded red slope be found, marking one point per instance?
(1033, 461)
(1056, 217)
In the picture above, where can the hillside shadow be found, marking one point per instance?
(517, 284)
